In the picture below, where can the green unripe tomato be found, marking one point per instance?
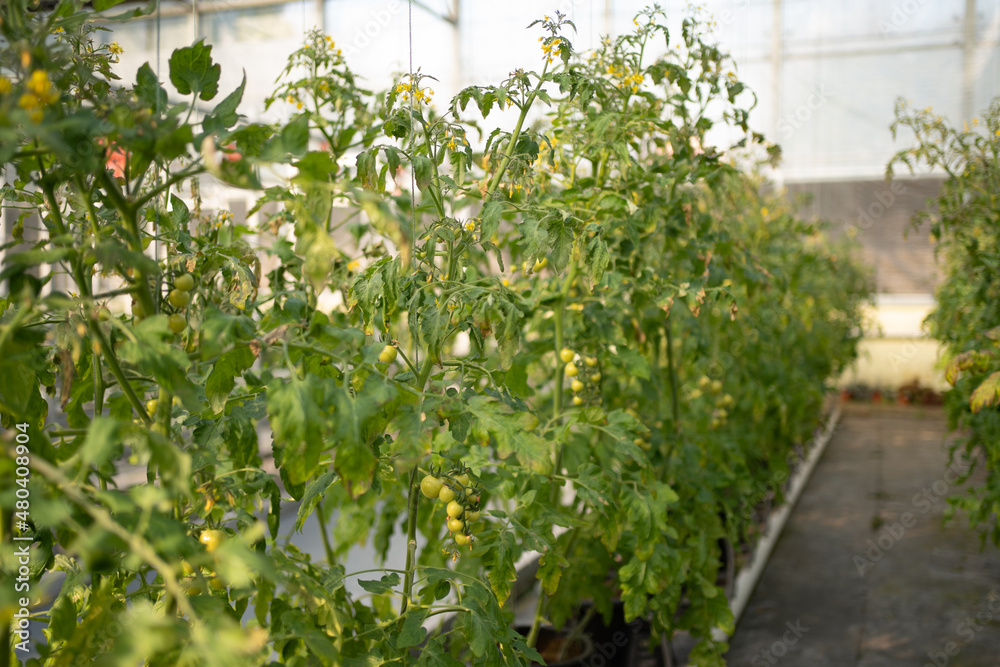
(179, 298)
(590, 361)
(462, 479)
(104, 314)
(566, 355)
(455, 509)
(595, 378)
(388, 354)
(455, 525)
(151, 406)
(571, 370)
(577, 401)
(461, 539)
(577, 386)
(472, 516)
(431, 486)
(184, 282)
(177, 323)
(138, 312)
(446, 494)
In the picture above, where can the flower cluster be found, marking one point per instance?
(40, 94)
(332, 46)
(420, 95)
(551, 49)
(628, 80)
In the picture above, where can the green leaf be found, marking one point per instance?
(634, 363)
(152, 351)
(296, 421)
(315, 492)
(367, 172)
(492, 212)
(598, 259)
(222, 379)
(62, 619)
(224, 115)
(293, 140)
(149, 90)
(355, 462)
(423, 170)
(316, 166)
(412, 633)
(179, 212)
(549, 573)
(101, 5)
(102, 441)
(510, 431)
(386, 584)
(433, 655)
(377, 287)
(499, 560)
(219, 331)
(193, 71)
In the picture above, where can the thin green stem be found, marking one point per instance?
(118, 373)
(509, 153)
(672, 371)
(321, 518)
(411, 540)
(557, 449)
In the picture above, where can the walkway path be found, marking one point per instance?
(865, 574)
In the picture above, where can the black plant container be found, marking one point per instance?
(550, 641)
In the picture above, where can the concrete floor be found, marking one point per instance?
(865, 574)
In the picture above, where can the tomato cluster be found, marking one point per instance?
(461, 499)
(580, 384)
(179, 297)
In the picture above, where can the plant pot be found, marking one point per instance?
(617, 640)
(550, 642)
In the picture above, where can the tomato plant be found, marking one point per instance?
(414, 379)
(966, 320)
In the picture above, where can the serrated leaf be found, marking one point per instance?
(509, 430)
(499, 560)
(224, 114)
(491, 216)
(412, 633)
(549, 573)
(102, 441)
(986, 394)
(193, 71)
(222, 379)
(296, 422)
(384, 585)
(314, 494)
(149, 90)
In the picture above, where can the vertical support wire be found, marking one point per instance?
(156, 238)
(413, 184)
